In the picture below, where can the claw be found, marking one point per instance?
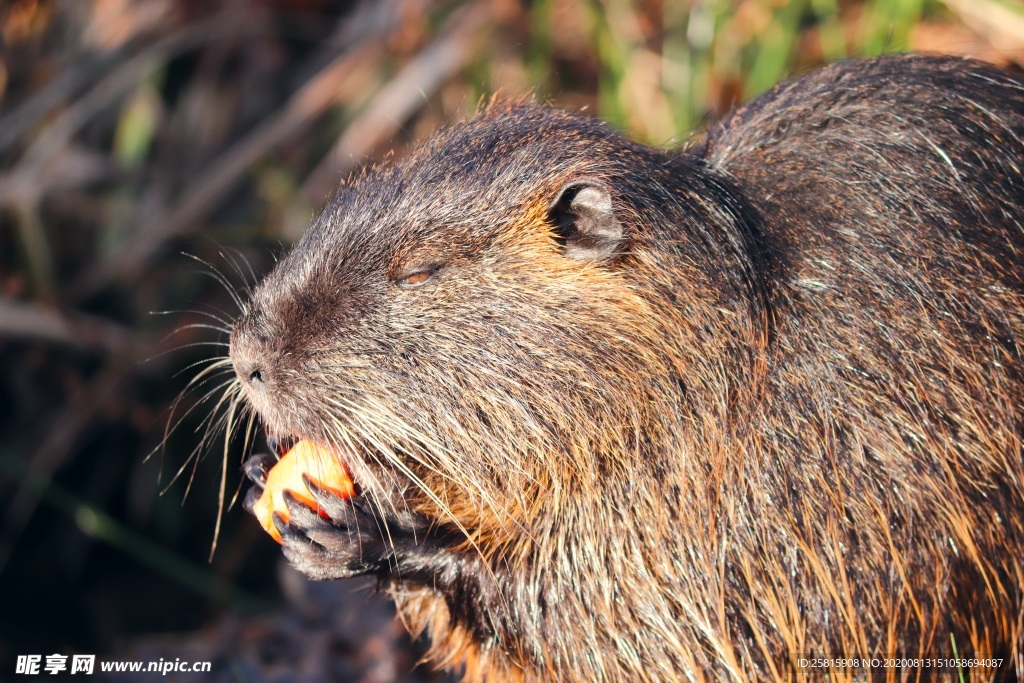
(257, 467)
(327, 500)
(300, 514)
(286, 530)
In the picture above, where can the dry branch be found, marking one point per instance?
(399, 100)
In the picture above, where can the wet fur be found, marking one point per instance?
(785, 416)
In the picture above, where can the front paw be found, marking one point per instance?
(339, 539)
(322, 534)
(327, 535)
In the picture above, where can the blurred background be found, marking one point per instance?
(156, 156)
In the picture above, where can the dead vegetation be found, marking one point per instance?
(151, 150)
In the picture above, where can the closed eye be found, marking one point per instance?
(417, 278)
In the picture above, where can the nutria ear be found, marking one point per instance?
(585, 221)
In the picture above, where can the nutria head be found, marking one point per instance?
(499, 315)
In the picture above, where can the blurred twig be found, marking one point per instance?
(37, 250)
(30, 321)
(22, 190)
(28, 113)
(399, 100)
(134, 68)
(1002, 23)
(69, 425)
(98, 524)
(339, 79)
(121, 353)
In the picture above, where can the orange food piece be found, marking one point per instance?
(319, 464)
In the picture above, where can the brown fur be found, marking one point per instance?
(783, 415)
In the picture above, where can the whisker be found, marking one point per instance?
(193, 384)
(224, 322)
(219, 277)
(229, 387)
(222, 492)
(247, 443)
(211, 426)
(233, 256)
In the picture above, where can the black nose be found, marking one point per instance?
(250, 359)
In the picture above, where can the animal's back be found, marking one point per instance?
(889, 199)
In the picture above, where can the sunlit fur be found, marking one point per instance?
(785, 417)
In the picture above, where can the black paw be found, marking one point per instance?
(343, 537)
(255, 470)
(340, 539)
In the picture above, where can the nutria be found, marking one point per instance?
(623, 414)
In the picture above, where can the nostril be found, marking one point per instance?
(252, 360)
